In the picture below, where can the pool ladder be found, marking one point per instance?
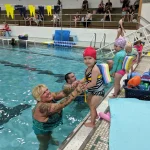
(132, 37)
(102, 43)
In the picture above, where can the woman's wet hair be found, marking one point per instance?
(37, 91)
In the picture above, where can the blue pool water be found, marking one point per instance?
(21, 70)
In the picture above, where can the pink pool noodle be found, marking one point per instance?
(108, 113)
(105, 116)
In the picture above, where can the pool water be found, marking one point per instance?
(21, 70)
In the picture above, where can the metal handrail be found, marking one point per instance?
(94, 38)
(127, 35)
(103, 40)
(146, 1)
(145, 20)
(145, 36)
(115, 14)
(4, 19)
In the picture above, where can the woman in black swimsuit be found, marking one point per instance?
(121, 29)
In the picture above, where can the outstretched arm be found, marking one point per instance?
(59, 95)
(55, 107)
(83, 80)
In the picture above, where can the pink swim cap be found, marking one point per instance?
(90, 51)
(121, 42)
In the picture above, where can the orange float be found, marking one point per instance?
(133, 82)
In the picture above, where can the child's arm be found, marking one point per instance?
(83, 80)
(95, 73)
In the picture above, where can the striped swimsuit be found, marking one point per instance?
(98, 89)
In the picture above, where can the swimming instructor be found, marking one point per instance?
(47, 114)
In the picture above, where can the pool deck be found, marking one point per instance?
(85, 138)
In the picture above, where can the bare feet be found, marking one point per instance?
(117, 93)
(54, 142)
(113, 96)
(97, 117)
(89, 124)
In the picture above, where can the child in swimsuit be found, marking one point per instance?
(139, 47)
(121, 30)
(94, 83)
(116, 64)
(77, 18)
(132, 52)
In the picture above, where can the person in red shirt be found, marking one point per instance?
(7, 29)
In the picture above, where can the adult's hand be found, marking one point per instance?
(56, 107)
(75, 84)
(80, 88)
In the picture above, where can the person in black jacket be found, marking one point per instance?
(13, 42)
(85, 5)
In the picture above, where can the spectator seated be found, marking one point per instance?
(77, 18)
(101, 8)
(87, 19)
(56, 20)
(130, 13)
(27, 19)
(107, 15)
(57, 7)
(108, 6)
(125, 4)
(66, 19)
(37, 19)
(85, 5)
(136, 4)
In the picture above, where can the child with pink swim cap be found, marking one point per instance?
(94, 83)
(116, 64)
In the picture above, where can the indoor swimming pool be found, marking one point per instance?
(21, 70)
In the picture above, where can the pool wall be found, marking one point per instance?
(83, 34)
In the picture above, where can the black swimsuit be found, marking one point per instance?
(119, 26)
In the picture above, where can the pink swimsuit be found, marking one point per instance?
(122, 72)
(139, 48)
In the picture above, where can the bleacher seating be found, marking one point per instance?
(66, 19)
